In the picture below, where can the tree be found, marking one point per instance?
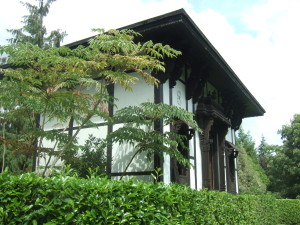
(261, 148)
(252, 178)
(284, 166)
(17, 162)
(53, 82)
(245, 141)
(290, 134)
(262, 153)
(34, 30)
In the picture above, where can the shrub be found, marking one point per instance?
(288, 211)
(91, 155)
(65, 199)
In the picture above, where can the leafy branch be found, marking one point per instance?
(139, 131)
(60, 83)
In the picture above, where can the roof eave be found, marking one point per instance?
(180, 16)
(183, 17)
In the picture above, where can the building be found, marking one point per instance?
(199, 81)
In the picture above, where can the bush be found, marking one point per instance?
(91, 155)
(289, 211)
(64, 199)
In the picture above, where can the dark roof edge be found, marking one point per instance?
(210, 48)
(224, 64)
(156, 18)
(131, 26)
(79, 42)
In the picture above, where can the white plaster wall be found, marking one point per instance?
(198, 162)
(166, 93)
(190, 105)
(192, 169)
(167, 163)
(167, 160)
(233, 137)
(192, 175)
(141, 92)
(229, 135)
(43, 157)
(98, 132)
(191, 142)
(53, 124)
(236, 176)
(122, 154)
(90, 90)
(178, 95)
(192, 147)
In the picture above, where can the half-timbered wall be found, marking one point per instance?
(167, 161)
(140, 167)
(118, 155)
(100, 132)
(176, 96)
(198, 159)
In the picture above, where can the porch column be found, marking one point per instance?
(205, 150)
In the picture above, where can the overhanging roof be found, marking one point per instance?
(178, 30)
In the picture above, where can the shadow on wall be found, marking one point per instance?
(121, 156)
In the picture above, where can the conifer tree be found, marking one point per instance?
(34, 30)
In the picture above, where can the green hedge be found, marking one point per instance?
(30, 199)
(288, 211)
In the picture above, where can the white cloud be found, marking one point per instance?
(10, 18)
(264, 65)
(267, 63)
(276, 23)
(79, 17)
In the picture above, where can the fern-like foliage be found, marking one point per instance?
(56, 83)
(140, 132)
(120, 54)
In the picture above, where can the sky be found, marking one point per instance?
(259, 39)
